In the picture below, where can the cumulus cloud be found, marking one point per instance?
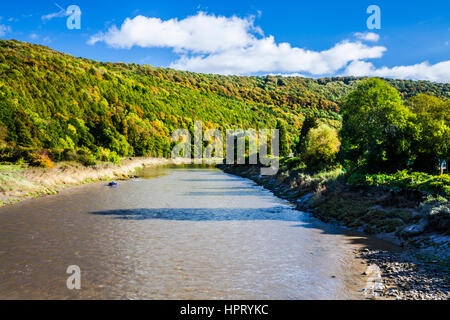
(232, 45)
(368, 36)
(216, 44)
(439, 72)
(201, 33)
(264, 55)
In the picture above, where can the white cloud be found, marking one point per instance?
(59, 14)
(264, 55)
(439, 72)
(368, 36)
(201, 33)
(4, 29)
(233, 45)
(288, 75)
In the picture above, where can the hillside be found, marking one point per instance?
(56, 102)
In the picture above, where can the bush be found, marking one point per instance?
(41, 160)
(87, 160)
(322, 146)
(69, 155)
(404, 180)
(291, 163)
(106, 155)
(438, 184)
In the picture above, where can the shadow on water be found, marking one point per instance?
(209, 180)
(205, 214)
(299, 219)
(229, 188)
(244, 193)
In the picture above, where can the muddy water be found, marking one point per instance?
(174, 234)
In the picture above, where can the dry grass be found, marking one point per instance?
(18, 183)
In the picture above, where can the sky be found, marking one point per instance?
(297, 38)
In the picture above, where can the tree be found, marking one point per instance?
(284, 144)
(3, 136)
(309, 123)
(377, 128)
(322, 146)
(432, 145)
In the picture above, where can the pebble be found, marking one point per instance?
(406, 278)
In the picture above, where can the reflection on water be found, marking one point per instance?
(184, 234)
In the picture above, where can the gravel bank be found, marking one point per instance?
(406, 277)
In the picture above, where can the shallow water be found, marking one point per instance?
(175, 234)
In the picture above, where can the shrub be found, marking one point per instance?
(291, 163)
(69, 155)
(87, 160)
(41, 160)
(404, 180)
(3, 136)
(322, 146)
(106, 155)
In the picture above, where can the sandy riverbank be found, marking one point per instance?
(21, 182)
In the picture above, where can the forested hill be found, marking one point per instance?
(56, 102)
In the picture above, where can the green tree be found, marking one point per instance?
(285, 149)
(322, 146)
(3, 136)
(56, 101)
(309, 123)
(432, 144)
(377, 128)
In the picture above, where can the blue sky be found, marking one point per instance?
(311, 38)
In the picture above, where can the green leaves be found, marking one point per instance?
(378, 130)
(405, 180)
(322, 146)
(55, 101)
(285, 149)
(432, 122)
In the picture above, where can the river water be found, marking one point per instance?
(175, 234)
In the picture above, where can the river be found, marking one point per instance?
(181, 233)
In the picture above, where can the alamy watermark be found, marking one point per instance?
(74, 17)
(73, 14)
(74, 281)
(374, 20)
(236, 151)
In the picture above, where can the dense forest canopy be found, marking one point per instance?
(65, 105)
